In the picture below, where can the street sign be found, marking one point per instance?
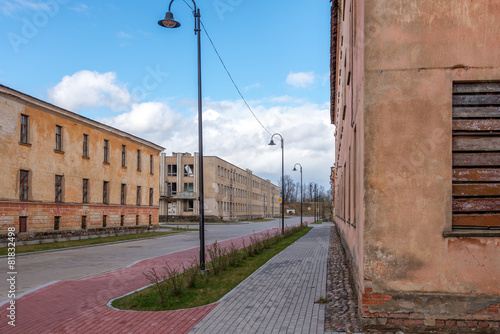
(280, 200)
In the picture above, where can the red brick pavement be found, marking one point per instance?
(79, 306)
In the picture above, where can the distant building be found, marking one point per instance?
(416, 105)
(62, 171)
(231, 193)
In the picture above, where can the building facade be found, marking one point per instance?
(231, 193)
(62, 171)
(416, 105)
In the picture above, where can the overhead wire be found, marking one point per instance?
(229, 74)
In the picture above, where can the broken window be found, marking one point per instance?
(172, 170)
(188, 171)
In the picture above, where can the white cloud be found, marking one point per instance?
(8, 7)
(230, 131)
(300, 79)
(86, 89)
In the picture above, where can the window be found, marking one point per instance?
(137, 220)
(475, 145)
(171, 170)
(106, 151)
(59, 188)
(151, 192)
(25, 121)
(104, 221)
(150, 220)
(59, 141)
(151, 164)
(122, 220)
(171, 189)
(85, 191)
(84, 222)
(189, 205)
(138, 195)
(57, 223)
(188, 170)
(138, 159)
(124, 156)
(85, 146)
(123, 197)
(188, 187)
(105, 192)
(23, 224)
(23, 185)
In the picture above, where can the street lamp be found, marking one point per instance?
(301, 193)
(169, 22)
(282, 180)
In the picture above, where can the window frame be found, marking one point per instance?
(24, 185)
(124, 155)
(106, 151)
(105, 192)
(187, 173)
(85, 147)
(138, 196)
(59, 138)
(170, 170)
(85, 190)
(24, 129)
(59, 195)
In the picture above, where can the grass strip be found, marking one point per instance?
(86, 242)
(208, 288)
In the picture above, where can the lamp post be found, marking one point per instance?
(282, 180)
(301, 193)
(169, 22)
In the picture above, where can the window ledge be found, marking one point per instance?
(124, 167)
(86, 158)
(106, 163)
(471, 233)
(58, 151)
(24, 144)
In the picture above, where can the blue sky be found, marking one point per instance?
(112, 62)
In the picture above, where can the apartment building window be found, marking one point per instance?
(188, 187)
(25, 121)
(105, 192)
(57, 223)
(188, 170)
(124, 156)
(171, 170)
(151, 165)
(151, 192)
(84, 222)
(59, 139)
(189, 205)
(138, 197)
(475, 147)
(59, 188)
(85, 146)
(123, 196)
(172, 188)
(85, 191)
(23, 185)
(106, 151)
(23, 224)
(138, 160)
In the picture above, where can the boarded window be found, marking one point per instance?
(23, 224)
(476, 155)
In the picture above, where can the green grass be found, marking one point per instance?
(85, 242)
(209, 288)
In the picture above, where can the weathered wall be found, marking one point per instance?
(43, 162)
(414, 51)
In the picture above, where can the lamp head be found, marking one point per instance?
(168, 21)
(272, 142)
(294, 169)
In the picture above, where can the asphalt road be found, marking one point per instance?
(36, 270)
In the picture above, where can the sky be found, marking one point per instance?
(110, 61)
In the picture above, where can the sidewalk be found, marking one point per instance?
(280, 296)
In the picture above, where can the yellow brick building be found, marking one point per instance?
(231, 193)
(62, 171)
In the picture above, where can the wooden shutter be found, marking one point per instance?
(476, 155)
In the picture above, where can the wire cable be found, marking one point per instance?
(228, 73)
(234, 83)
